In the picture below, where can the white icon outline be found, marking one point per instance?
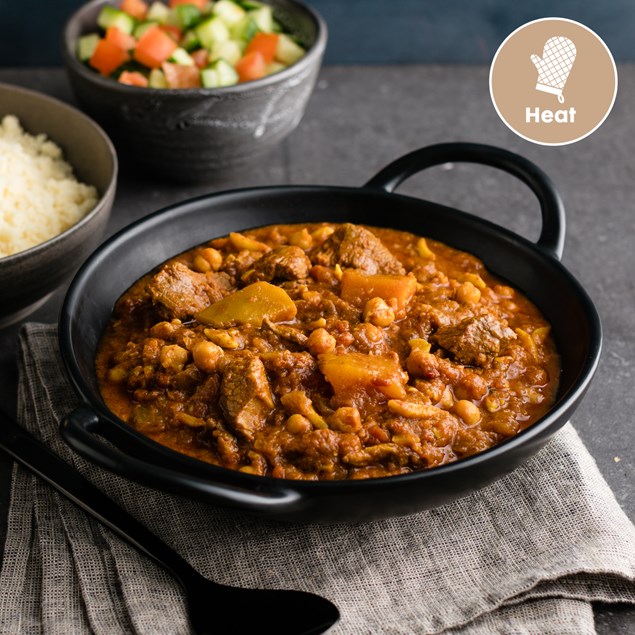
(525, 137)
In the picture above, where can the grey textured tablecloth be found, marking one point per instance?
(525, 555)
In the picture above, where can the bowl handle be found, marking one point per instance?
(551, 238)
(123, 457)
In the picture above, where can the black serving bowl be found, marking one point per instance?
(29, 277)
(193, 134)
(533, 268)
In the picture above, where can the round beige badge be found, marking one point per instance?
(553, 81)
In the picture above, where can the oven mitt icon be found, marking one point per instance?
(555, 65)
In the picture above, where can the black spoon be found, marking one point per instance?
(213, 608)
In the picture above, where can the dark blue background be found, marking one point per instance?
(364, 31)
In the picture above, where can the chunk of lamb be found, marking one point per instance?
(475, 341)
(182, 292)
(282, 263)
(245, 395)
(356, 247)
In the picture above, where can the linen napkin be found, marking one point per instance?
(527, 554)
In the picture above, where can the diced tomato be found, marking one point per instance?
(251, 66)
(136, 8)
(107, 57)
(153, 48)
(173, 31)
(179, 76)
(199, 4)
(132, 78)
(265, 43)
(124, 41)
(200, 57)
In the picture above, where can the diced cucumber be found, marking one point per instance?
(142, 27)
(211, 31)
(158, 12)
(172, 18)
(229, 12)
(230, 50)
(182, 57)
(275, 67)
(287, 51)
(86, 46)
(188, 15)
(219, 73)
(190, 41)
(110, 16)
(244, 29)
(263, 17)
(209, 78)
(156, 79)
(227, 75)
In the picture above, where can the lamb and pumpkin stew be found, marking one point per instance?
(326, 351)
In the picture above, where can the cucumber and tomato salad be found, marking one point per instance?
(188, 43)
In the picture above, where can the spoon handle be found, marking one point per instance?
(35, 456)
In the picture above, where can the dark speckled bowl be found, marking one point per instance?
(29, 277)
(194, 134)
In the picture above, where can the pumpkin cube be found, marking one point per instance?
(358, 288)
(351, 373)
(250, 305)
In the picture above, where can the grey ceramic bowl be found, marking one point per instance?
(28, 278)
(193, 134)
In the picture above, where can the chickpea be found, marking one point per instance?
(117, 374)
(316, 324)
(298, 424)
(206, 356)
(322, 233)
(297, 402)
(301, 239)
(475, 279)
(467, 293)
(173, 357)
(378, 313)
(369, 332)
(213, 257)
(468, 411)
(495, 402)
(345, 419)
(201, 265)
(164, 330)
(321, 341)
(504, 291)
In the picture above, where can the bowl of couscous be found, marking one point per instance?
(58, 174)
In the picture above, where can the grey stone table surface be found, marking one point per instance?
(362, 117)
